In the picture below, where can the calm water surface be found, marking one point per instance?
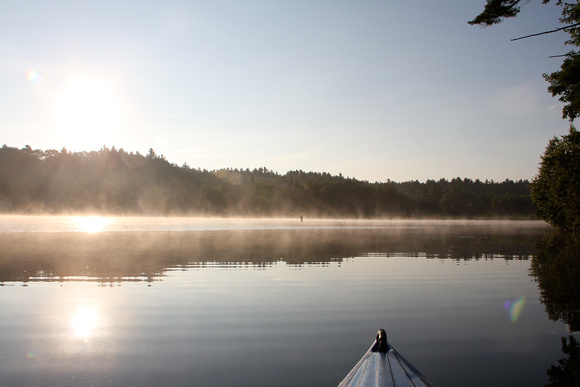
(151, 302)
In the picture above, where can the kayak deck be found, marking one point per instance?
(382, 365)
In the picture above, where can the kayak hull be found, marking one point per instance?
(382, 365)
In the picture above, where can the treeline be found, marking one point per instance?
(113, 181)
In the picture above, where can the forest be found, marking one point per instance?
(115, 182)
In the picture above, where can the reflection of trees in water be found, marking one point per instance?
(556, 268)
(567, 372)
(146, 256)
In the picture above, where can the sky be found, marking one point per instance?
(373, 90)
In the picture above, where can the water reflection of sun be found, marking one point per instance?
(91, 224)
(84, 322)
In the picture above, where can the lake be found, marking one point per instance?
(218, 302)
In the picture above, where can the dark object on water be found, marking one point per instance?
(382, 344)
(382, 365)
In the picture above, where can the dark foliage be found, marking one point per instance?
(567, 372)
(566, 82)
(495, 10)
(556, 189)
(556, 268)
(112, 181)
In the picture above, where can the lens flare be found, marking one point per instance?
(515, 308)
(32, 76)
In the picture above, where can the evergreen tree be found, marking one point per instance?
(556, 189)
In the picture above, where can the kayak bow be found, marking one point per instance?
(382, 365)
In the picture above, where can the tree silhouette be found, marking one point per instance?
(113, 181)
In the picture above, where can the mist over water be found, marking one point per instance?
(219, 302)
(84, 223)
(145, 247)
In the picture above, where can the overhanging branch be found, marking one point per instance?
(546, 32)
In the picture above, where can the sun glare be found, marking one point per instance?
(91, 224)
(88, 111)
(84, 323)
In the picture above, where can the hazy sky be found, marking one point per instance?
(374, 90)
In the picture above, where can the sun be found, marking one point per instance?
(89, 111)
